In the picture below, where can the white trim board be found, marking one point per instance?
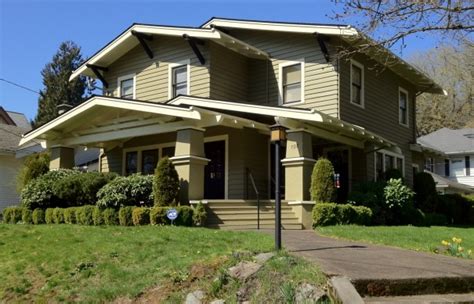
(282, 65)
(173, 65)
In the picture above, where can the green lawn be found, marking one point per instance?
(46, 263)
(417, 238)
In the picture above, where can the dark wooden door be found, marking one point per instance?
(214, 172)
(340, 162)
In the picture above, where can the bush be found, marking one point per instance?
(426, 196)
(125, 216)
(27, 216)
(435, 219)
(70, 215)
(110, 216)
(325, 214)
(398, 202)
(38, 216)
(322, 182)
(185, 216)
(12, 215)
(393, 174)
(457, 208)
(199, 215)
(371, 195)
(166, 184)
(33, 167)
(97, 216)
(48, 216)
(84, 215)
(140, 216)
(58, 215)
(133, 190)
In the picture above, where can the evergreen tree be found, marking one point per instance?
(57, 87)
(322, 182)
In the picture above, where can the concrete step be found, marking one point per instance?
(245, 207)
(433, 298)
(253, 211)
(236, 216)
(250, 221)
(254, 226)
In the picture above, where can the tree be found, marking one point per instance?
(391, 21)
(452, 68)
(165, 183)
(34, 166)
(322, 182)
(57, 87)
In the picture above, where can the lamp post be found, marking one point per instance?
(278, 135)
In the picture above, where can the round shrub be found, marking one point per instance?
(158, 216)
(110, 216)
(12, 215)
(84, 215)
(325, 214)
(48, 216)
(426, 196)
(133, 190)
(70, 215)
(185, 216)
(27, 216)
(125, 216)
(322, 182)
(140, 216)
(58, 215)
(397, 195)
(166, 183)
(33, 167)
(97, 216)
(199, 215)
(38, 216)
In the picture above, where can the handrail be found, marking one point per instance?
(250, 175)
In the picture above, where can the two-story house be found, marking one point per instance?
(206, 97)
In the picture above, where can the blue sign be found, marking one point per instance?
(172, 214)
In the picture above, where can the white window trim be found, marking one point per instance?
(390, 153)
(172, 65)
(402, 90)
(125, 77)
(225, 138)
(362, 91)
(280, 81)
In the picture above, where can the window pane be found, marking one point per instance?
(180, 74)
(400, 164)
(292, 74)
(167, 152)
(356, 94)
(356, 75)
(389, 162)
(292, 93)
(180, 80)
(457, 167)
(379, 165)
(126, 88)
(131, 163)
(149, 161)
(181, 89)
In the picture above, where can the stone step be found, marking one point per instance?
(433, 298)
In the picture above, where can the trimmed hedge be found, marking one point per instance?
(110, 216)
(12, 215)
(84, 215)
(185, 216)
(165, 183)
(58, 215)
(325, 214)
(140, 216)
(38, 216)
(322, 181)
(97, 216)
(26, 216)
(199, 215)
(125, 216)
(70, 215)
(48, 216)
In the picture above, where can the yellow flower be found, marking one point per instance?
(460, 249)
(445, 243)
(469, 252)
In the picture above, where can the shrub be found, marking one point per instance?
(371, 195)
(397, 195)
(185, 216)
(458, 209)
(125, 216)
(435, 219)
(322, 182)
(12, 215)
(140, 216)
(26, 216)
(38, 216)
(70, 215)
(133, 190)
(58, 215)
(426, 197)
(33, 167)
(84, 215)
(48, 216)
(97, 216)
(158, 216)
(199, 215)
(325, 214)
(165, 183)
(110, 216)
(393, 174)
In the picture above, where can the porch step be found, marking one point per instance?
(252, 217)
(254, 226)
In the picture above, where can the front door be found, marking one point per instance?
(340, 162)
(214, 172)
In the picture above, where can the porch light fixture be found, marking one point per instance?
(277, 136)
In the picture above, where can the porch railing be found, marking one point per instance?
(252, 181)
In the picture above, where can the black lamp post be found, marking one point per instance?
(278, 135)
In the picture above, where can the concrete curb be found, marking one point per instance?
(342, 291)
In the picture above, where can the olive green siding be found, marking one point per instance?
(381, 109)
(111, 160)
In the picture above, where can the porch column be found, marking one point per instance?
(189, 161)
(61, 158)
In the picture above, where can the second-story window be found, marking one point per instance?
(357, 83)
(126, 86)
(180, 80)
(292, 83)
(403, 107)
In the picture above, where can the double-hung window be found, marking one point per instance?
(385, 161)
(403, 107)
(126, 86)
(179, 79)
(291, 83)
(357, 83)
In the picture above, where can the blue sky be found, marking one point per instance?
(31, 31)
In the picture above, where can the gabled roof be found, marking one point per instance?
(10, 136)
(19, 119)
(442, 182)
(450, 141)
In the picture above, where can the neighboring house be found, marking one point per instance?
(12, 126)
(457, 163)
(206, 97)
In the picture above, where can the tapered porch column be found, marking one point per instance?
(189, 161)
(61, 158)
(298, 165)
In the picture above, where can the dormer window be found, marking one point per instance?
(357, 83)
(126, 86)
(292, 82)
(179, 79)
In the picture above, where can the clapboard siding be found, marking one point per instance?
(9, 169)
(111, 161)
(152, 79)
(380, 114)
(321, 78)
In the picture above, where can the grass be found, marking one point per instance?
(409, 237)
(53, 263)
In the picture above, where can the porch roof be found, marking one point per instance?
(103, 119)
(310, 120)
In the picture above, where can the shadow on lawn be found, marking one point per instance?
(329, 248)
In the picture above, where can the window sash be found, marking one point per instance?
(149, 161)
(291, 83)
(356, 84)
(403, 101)
(126, 88)
(179, 80)
(131, 162)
